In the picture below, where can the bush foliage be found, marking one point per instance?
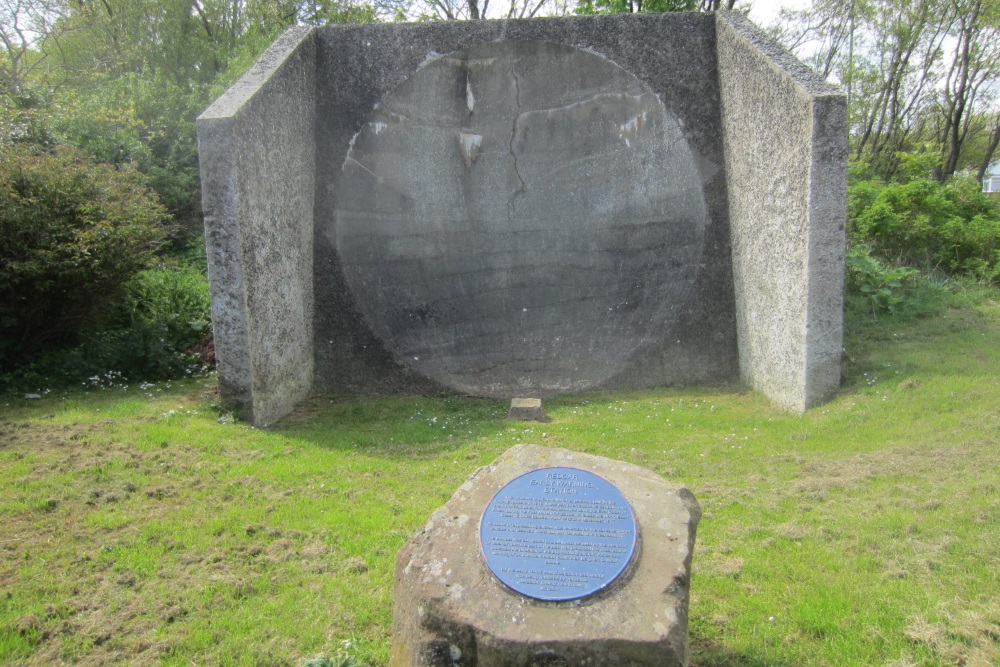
(149, 334)
(166, 311)
(72, 234)
(952, 228)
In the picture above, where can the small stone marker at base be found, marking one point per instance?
(527, 409)
(549, 557)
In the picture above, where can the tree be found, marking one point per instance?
(821, 35)
(917, 72)
(991, 148)
(23, 24)
(135, 74)
(975, 64)
(588, 7)
(463, 10)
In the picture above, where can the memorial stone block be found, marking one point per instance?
(549, 557)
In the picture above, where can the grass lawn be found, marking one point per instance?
(141, 525)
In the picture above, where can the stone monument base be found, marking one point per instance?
(451, 611)
(527, 409)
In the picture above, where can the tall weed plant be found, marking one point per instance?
(884, 289)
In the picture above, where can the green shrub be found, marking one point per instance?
(167, 312)
(148, 336)
(144, 120)
(953, 228)
(72, 234)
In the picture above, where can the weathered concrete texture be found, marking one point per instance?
(449, 610)
(550, 205)
(520, 215)
(785, 134)
(257, 150)
(538, 241)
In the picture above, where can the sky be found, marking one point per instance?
(764, 12)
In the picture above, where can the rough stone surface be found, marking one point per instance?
(540, 303)
(785, 134)
(527, 409)
(257, 144)
(520, 215)
(450, 611)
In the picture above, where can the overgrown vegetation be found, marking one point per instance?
(906, 239)
(71, 235)
(952, 228)
(84, 292)
(99, 184)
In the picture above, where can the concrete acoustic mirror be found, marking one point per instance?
(512, 208)
(519, 216)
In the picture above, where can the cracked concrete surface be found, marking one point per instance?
(546, 256)
(513, 136)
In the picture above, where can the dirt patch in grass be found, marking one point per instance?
(969, 637)
(91, 529)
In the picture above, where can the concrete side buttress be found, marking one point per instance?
(257, 151)
(785, 143)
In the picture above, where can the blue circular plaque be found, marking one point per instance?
(558, 534)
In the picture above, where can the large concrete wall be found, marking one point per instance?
(685, 338)
(669, 211)
(785, 136)
(257, 149)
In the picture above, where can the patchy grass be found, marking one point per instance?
(143, 526)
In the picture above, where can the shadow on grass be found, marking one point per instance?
(669, 392)
(894, 347)
(395, 426)
(407, 426)
(710, 654)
